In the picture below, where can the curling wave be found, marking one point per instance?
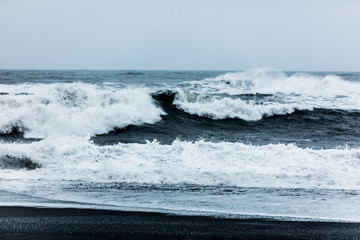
(43, 110)
(216, 107)
(258, 93)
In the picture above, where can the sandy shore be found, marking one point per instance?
(53, 223)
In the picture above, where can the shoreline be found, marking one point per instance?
(74, 223)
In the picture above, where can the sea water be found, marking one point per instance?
(247, 144)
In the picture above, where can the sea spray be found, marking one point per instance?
(274, 93)
(80, 109)
(200, 162)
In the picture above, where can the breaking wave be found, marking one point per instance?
(272, 93)
(271, 81)
(42, 110)
(226, 107)
(200, 162)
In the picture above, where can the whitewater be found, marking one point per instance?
(248, 144)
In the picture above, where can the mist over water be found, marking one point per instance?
(206, 142)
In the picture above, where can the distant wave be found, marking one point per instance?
(271, 81)
(79, 109)
(226, 107)
(200, 162)
(248, 107)
(258, 93)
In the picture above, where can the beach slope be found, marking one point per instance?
(54, 223)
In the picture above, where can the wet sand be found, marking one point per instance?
(54, 223)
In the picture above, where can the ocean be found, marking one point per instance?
(259, 143)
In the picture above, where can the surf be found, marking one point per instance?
(43, 110)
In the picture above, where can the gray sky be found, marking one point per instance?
(180, 34)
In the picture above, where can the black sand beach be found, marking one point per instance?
(52, 223)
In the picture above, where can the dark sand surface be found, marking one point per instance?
(53, 223)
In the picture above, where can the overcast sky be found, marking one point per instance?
(180, 34)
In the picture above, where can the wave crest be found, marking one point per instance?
(74, 109)
(226, 107)
(274, 93)
(271, 81)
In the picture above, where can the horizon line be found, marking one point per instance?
(164, 70)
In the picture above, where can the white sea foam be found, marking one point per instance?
(217, 97)
(203, 163)
(43, 110)
(225, 107)
(271, 81)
